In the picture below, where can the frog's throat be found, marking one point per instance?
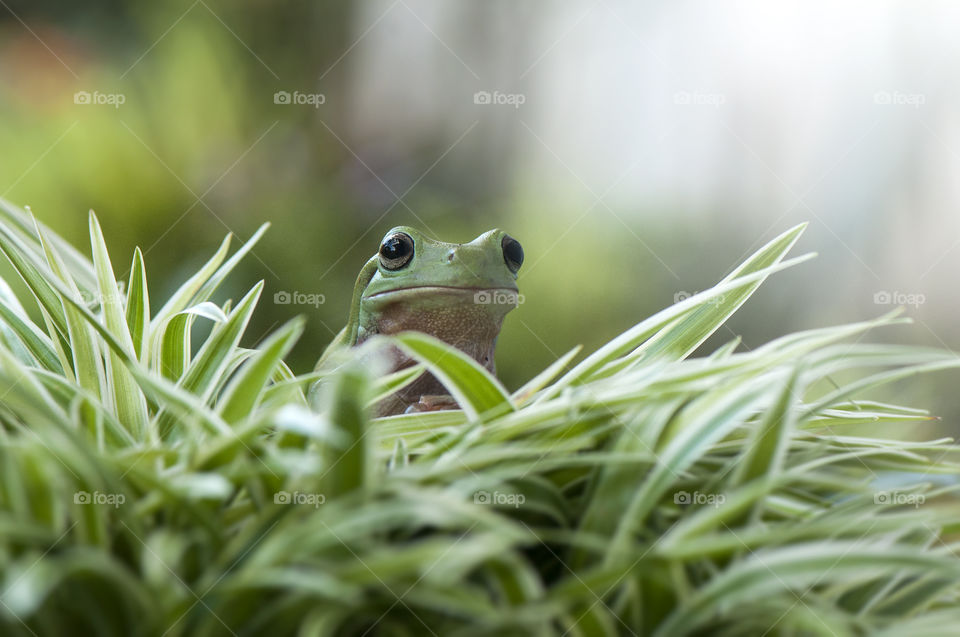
(467, 318)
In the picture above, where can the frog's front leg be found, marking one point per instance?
(433, 402)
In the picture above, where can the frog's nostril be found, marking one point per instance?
(450, 255)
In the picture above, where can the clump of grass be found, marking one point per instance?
(152, 489)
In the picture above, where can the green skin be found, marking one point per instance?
(456, 292)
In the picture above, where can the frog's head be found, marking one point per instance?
(458, 292)
(411, 265)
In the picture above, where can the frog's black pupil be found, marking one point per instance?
(512, 253)
(392, 248)
(396, 251)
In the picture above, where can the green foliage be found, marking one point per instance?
(150, 489)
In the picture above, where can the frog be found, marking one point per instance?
(456, 292)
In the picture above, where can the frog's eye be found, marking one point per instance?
(396, 251)
(512, 253)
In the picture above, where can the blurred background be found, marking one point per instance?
(637, 150)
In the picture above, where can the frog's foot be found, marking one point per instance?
(433, 402)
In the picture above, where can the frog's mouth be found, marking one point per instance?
(481, 295)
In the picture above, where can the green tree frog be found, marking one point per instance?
(457, 292)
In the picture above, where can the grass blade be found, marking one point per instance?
(477, 392)
(138, 308)
(249, 385)
(87, 364)
(131, 406)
